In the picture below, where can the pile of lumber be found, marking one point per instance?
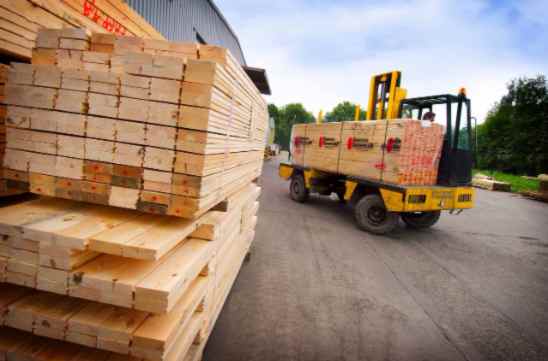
(115, 280)
(400, 151)
(146, 153)
(21, 20)
(6, 187)
(542, 193)
(165, 128)
(485, 182)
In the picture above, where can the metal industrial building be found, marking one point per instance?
(198, 21)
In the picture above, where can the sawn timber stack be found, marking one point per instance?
(21, 20)
(146, 305)
(165, 128)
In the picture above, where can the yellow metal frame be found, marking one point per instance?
(349, 187)
(308, 175)
(285, 171)
(372, 98)
(319, 120)
(375, 106)
(357, 111)
(432, 199)
(401, 94)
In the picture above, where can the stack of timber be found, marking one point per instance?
(542, 193)
(485, 182)
(109, 283)
(6, 187)
(21, 20)
(165, 128)
(399, 151)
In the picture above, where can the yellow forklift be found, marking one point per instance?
(378, 205)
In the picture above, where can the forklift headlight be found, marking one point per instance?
(417, 198)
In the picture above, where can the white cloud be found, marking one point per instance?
(322, 53)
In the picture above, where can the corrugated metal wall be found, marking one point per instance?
(179, 20)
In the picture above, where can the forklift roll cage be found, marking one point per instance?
(457, 152)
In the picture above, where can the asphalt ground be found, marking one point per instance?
(473, 287)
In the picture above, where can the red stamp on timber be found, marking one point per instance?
(91, 11)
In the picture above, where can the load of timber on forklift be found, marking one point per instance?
(405, 152)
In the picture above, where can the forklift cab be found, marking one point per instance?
(457, 153)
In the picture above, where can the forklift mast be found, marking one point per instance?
(385, 96)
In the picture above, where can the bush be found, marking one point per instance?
(514, 136)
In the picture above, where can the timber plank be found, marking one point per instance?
(73, 230)
(160, 290)
(157, 335)
(13, 218)
(145, 237)
(109, 279)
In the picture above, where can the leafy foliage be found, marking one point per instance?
(295, 113)
(514, 136)
(285, 117)
(343, 111)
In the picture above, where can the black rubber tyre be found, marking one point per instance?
(421, 220)
(372, 216)
(297, 189)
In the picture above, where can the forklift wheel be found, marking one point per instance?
(421, 220)
(297, 189)
(371, 215)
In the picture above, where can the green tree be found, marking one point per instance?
(285, 117)
(514, 136)
(343, 111)
(273, 111)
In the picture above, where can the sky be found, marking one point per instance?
(320, 52)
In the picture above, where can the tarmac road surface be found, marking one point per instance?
(473, 287)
